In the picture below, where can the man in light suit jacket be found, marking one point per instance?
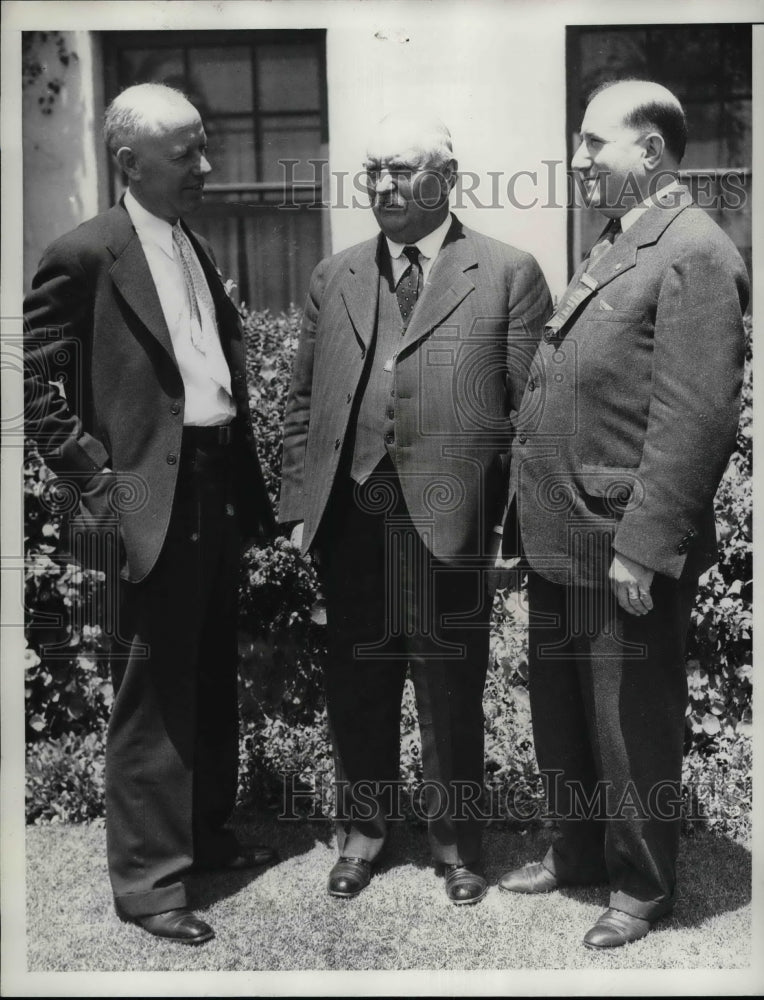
(625, 429)
(137, 399)
(413, 349)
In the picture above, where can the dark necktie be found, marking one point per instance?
(407, 289)
(608, 236)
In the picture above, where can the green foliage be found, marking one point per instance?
(719, 653)
(65, 779)
(282, 646)
(67, 686)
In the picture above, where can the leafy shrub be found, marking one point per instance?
(284, 728)
(65, 779)
(67, 687)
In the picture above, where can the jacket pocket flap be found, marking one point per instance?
(617, 485)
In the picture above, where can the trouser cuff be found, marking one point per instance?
(645, 909)
(144, 904)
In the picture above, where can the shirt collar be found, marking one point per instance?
(429, 245)
(149, 227)
(630, 217)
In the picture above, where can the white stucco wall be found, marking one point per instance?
(484, 76)
(61, 182)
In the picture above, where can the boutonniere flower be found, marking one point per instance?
(228, 285)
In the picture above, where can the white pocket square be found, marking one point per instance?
(604, 305)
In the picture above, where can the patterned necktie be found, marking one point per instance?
(407, 289)
(607, 238)
(199, 295)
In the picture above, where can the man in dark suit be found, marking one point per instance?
(411, 356)
(624, 432)
(136, 397)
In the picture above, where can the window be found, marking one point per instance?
(262, 97)
(708, 67)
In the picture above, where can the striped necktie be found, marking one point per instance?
(199, 295)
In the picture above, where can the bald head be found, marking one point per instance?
(410, 171)
(143, 110)
(646, 107)
(422, 133)
(158, 140)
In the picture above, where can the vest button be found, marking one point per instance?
(336, 443)
(522, 438)
(349, 398)
(389, 438)
(390, 413)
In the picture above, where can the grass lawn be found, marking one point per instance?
(282, 918)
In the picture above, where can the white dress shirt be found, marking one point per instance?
(206, 378)
(428, 247)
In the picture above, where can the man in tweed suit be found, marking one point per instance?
(396, 432)
(624, 431)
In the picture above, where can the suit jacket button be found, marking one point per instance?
(336, 443)
(175, 409)
(389, 438)
(349, 398)
(172, 459)
(522, 438)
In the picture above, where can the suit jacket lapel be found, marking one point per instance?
(617, 260)
(360, 290)
(446, 287)
(130, 273)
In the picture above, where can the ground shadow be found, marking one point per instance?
(713, 872)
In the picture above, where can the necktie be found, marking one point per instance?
(608, 236)
(198, 290)
(407, 289)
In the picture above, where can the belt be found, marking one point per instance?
(207, 437)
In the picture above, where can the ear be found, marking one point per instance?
(450, 173)
(128, 162)
(654, 145)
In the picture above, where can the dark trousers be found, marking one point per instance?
(390, 604)
(172, 747)
(608, 697)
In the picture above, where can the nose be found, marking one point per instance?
(384, 183)
(581, 159)
(202, 165)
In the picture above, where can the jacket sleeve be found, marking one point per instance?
(698, 356)
(297, 413)
(58, 327)
(530, 306)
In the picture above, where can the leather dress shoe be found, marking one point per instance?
(178, 925)
(531, 878)
(348, 877)
(615, 928)
(464, 884)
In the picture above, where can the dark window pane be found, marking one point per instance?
(231, 150)
(688, 61)
(152, 66)
(288, 78)
(222, 77)
(609, 55)
(290, 138)
(737, 131)
(704, 135)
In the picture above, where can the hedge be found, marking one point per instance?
(284, 732)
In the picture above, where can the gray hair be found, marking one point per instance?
(139, 110)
